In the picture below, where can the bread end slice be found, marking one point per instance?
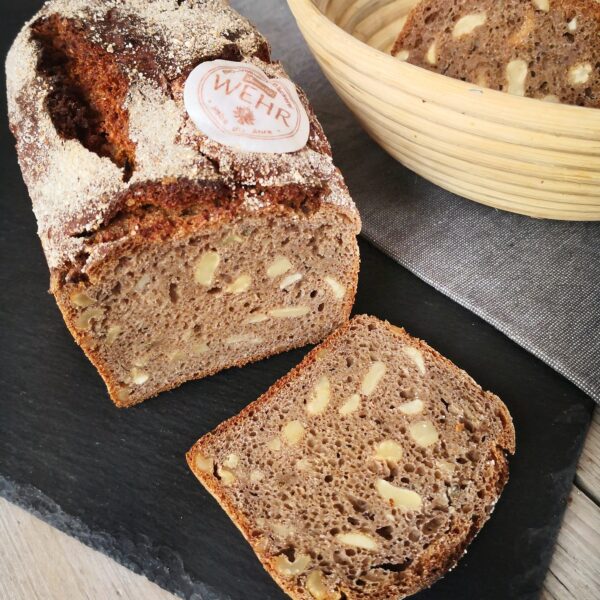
(366, 471)
(534, 48)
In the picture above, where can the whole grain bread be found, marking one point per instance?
(546, 49)
(171, 256)
(366, 471)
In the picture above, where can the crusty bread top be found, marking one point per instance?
(151, 45)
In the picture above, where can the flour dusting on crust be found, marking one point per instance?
(155, 44)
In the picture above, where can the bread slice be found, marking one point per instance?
(366, 471)
(546, 49)
(171, 256)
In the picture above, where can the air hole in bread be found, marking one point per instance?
(385, 532)
(360, 506)
(394, 567)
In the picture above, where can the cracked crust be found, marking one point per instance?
(80, 195)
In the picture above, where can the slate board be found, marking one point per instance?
(117, 478)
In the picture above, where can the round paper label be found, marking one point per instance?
(236, 104)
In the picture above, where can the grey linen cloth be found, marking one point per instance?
(537, 281)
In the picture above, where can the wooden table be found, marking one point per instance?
(40, 562)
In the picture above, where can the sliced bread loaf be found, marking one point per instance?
(366, 471)
(173, 256)
(546, 49)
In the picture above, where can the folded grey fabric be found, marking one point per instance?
(536, 281)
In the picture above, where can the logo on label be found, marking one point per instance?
(236, 104)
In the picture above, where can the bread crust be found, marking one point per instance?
(148, 47)
(108, 178)
(440, 557)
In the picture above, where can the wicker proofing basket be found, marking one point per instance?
(518, 154)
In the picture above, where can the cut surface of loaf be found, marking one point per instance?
(545, 49)
(366, 471)
(171, 256)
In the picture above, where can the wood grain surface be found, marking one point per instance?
(40, 562)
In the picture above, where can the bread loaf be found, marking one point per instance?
(172, 255)
(366, 471)
(545, 49)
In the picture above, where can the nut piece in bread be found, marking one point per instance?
(391, 490)
(543, 49)
(165, 247)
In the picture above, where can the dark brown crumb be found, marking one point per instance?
(294, 496)
(557, 49)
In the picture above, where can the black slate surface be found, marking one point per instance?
(117, 478)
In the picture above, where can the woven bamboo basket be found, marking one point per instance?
(517, 154)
